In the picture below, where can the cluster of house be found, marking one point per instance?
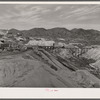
(10, 43)
(19, 41)
(40, 42)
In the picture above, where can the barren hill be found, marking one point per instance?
(75, 35)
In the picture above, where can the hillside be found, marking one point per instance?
(41, 69)
(88, 37)
(34, 63)
(3, 32)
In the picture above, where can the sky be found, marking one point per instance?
(27, 16)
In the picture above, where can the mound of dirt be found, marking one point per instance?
(41, 69)
(93, 54)
(17, 71)
(85, 79)
(96, 64)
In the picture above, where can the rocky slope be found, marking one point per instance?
(42, 69)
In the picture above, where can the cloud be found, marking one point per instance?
(46, 11)
(31, 12)
(85, 10)
(21, 14)
(58, 8)
(81, 11)
(84, 18)
(21, 6)
(26, 15)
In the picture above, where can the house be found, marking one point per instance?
(40, 42)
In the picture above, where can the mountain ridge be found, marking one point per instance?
(87, 36)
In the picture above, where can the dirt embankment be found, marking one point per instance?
(41, 69)
(95, 55)
(28, 71)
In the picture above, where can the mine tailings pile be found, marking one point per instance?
(71, 74)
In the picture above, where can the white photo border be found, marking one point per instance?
(50, 93)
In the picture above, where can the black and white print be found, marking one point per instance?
(50, 45)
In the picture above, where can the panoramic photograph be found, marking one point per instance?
(50, 45)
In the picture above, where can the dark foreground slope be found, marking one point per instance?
(39, 68)
(30, 71)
